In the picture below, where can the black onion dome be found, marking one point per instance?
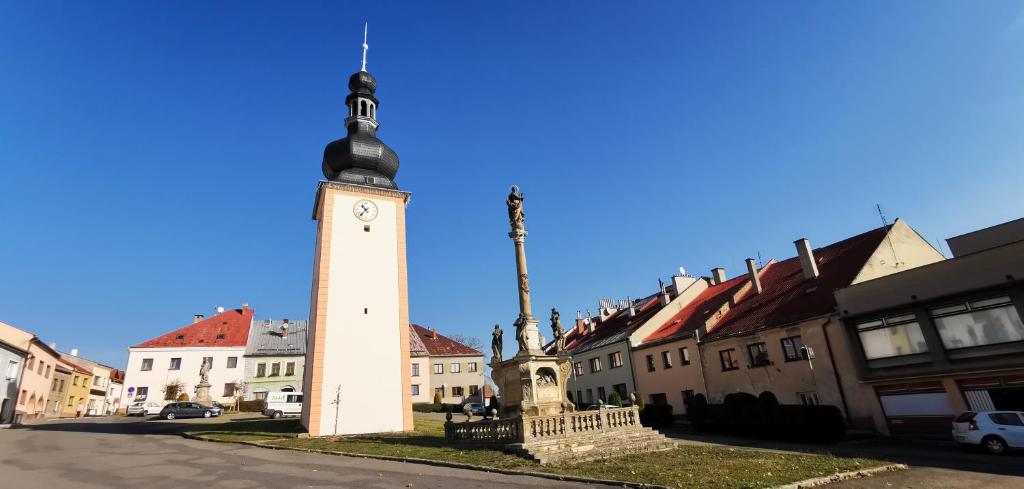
(360, 157)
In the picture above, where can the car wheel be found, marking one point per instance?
(277, 414)
(207, 414)
(994, 445)
(169, 416)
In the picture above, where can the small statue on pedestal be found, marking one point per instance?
(557, 331)
(496, 344)
(521, 335)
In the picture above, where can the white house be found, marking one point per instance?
(167, 366)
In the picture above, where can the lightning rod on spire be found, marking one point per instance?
(366, 27)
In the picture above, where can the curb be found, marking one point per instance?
(438, 463)
(842, 476)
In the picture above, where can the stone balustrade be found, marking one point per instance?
(532, 429)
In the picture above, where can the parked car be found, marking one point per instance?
(144, 408)
(217, 408)
(477, 408)
(995, 431)
(186, 410)
(283, 404)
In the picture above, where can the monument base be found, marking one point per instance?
(203, 394)
(533, 384)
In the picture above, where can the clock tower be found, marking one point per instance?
(357, 371)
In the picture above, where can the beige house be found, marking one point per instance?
(34, 386)
(784, 336)
(441, 365)
(98, 403)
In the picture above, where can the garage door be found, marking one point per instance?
(916, 409)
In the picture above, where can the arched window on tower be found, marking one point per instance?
(373, 111)
(362, 107)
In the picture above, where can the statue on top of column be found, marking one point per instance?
(516, 216)
(496, 344)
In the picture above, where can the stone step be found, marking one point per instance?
(594, 446)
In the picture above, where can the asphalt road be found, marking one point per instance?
(131, 453)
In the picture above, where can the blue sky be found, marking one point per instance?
(157, 161)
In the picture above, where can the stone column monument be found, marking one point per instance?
(532, 383)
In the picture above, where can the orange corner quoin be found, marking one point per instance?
(359, 303)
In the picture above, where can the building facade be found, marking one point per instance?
(944, 338)
(58, 390)
(275, 357)
(455, 371)
(78, 390)
(99, 386)
(12, 360)
(167, 366)
(34, 384)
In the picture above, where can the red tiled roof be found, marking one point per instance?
(229, 328)
(697, 312)
(787, 297)
(617, 323)
(438, 344)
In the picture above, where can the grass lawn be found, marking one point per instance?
(684, 467)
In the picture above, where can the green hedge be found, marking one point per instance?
(253, 406)
(746, 414)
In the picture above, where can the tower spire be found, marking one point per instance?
(366, 26)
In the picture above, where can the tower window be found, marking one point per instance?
(366, 227)
(362, 107)
(373, 110)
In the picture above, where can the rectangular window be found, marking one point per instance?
(438, 368)
(71, 401)
(809, 398)
(728, 359)
(415, 389)
(793, 349)
(229, 389)
(175, 364)
(684, 356)
(455, 368)
(289, 368)
(141, 393)
(474, 389)
(275, 369)
(590, 396)
(615, 359)
(147, 364)
(891, 337)
(621, 390)
(758, 353)
(579, 397)
(232, 362)
(47, 372)
(23, 397)
(595, 364)
(601, 395)
(471, 366)
(578, 368)
(978, 323)
(261, 370)
(457, 391)
(650, 363)
(40, 372)
(415, 370)
(31, 363)
(666, 359)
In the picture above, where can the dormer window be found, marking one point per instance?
(180, 337)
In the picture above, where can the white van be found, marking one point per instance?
(283, 404)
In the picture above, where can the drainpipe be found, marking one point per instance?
(835, 372)
(700, 363)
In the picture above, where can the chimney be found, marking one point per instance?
(807, 263)
(682, 281)
(245, 306)
(632, 307)
(717, 275)
(74, 352)
(754, 278)
(197, 318)
(581, 326)
(284, 329)
(433, 333)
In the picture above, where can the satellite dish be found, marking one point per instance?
(220, 309)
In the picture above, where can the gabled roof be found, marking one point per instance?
(266, 338)
(75, 367)
(229, 328)
(437, 344)
(702, 308)
(787, 297)
(616, 327)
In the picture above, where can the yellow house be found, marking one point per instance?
(77, 398)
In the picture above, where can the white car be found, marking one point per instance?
(995, 431)
(144, 408)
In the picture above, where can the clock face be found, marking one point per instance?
(365, 210)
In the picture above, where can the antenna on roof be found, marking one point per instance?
(366, 27)
(885, 224)
(760, 264)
